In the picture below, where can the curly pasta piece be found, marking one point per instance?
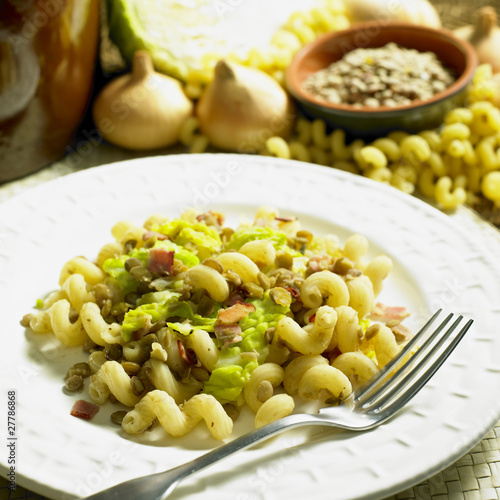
(261, 252)
(178, 421)
(276, 407)
(40, 322)
(204, 347)
(109, 251)
(111, 378)
(76, 290)
(321, 285)
(70, 334)
(296, 369)
(53, 297)
(338, 145)
(361, 297)
(212, 281)
(347, 329)
(97, 329)
(80, 265)
(271, 372)
(313, 338)
(377, 270)
(385, 346)
(277, 146)
(448, 197)
(355, 365)
(324, 382)
(124, 231)
(388, 146)
(355, 247)
(162, 378)
(243, 266)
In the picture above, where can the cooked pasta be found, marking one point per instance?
(184, 318)
(273, 409)
(175, 420)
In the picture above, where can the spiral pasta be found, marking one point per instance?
(112, 378)
(175, 420)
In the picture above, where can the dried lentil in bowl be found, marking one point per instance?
(382, 76)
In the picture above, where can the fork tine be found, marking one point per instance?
(420, 357)
(374, 381)
(424, 377)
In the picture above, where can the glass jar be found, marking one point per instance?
(48, 51)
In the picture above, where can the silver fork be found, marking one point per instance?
(385, 394)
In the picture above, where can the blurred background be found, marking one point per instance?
(62, 64)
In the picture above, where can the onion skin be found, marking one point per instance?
(420, 12)
(242, 107)
(484, 36)
(142, 110)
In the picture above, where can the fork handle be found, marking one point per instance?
(162, 483)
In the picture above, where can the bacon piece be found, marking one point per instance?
(187, 355)
(160, 261)
(285, 219)
(154, 234)
(293, 292)
(319, 263)
(83, 409)
(401, 333)
(233, 298)
(234, 313)
(228, 333)
(384, 313)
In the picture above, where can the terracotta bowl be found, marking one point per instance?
(454, 53)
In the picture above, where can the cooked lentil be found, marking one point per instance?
(74, 383)
(382, 76)
(264, 391)
(117, 416)
(113, 352)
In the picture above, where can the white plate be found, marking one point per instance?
(437, 264)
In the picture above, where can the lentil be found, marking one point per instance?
(264, 281)
(206, 306)
(132, 262)
(130, 245)
(74, 383)
(214, 264)
(233, 278)
(113, 352)
(117, 417)
(284, 259)
(382, 76)
(80, 369)
(102, 294)
(136, 385)
(264, 391)
(131, 368)
(253, 290)
(281, 296)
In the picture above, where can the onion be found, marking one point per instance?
(484, 36)
(143, 109)
(242, 107)
(420, 12)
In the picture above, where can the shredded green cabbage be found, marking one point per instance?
(243, 235)
(237, 361)
(202, 239)
(154, 311)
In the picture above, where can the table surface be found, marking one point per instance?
(474, 476)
